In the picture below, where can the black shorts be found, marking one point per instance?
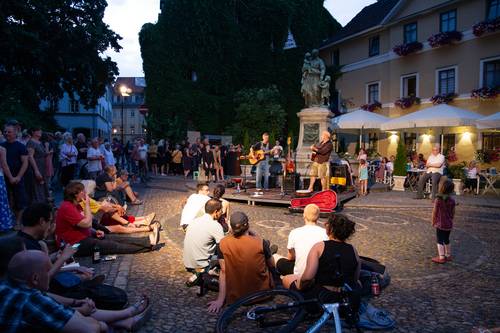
(17, 195)
(443, 236)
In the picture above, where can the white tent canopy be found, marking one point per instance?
(442, 115)
(492, 121)
(359, 119)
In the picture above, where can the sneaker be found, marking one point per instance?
(438, 260)
(448, 258)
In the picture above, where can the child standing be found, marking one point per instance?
(442, 220)
(363, 177)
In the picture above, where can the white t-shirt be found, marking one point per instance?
(389, 166)
(195, 207)
(143, 152)
(472, 173)
(302, 240)
(435, 159)
(277, 150)
(94, 165)
(109, 158)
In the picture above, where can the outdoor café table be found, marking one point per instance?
(413, 176)
(491, 178)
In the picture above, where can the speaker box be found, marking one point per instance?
(291, 183)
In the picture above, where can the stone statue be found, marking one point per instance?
(313, 73)
(325, 90)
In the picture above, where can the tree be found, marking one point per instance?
(49, 47)
(400, 161)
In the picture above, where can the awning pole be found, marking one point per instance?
(442, 140)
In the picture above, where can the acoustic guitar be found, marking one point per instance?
(258, 155)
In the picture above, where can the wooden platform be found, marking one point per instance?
(273, 197)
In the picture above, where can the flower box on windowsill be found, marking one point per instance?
(407, 102)
(408, 48)
(444, 38)
(486, 26)
(371, 107)
(443, 98)
(485, 93)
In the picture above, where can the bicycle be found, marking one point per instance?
(280, 311)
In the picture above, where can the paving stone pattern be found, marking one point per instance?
(423, 297)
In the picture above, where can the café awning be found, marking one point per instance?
(359, 119)
(492, 121)
(442, 115)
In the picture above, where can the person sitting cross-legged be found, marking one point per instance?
(245, 263)
(300, 241)
(106, 184)
(202, 236)
(124, 185)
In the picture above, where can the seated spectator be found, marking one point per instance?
(421, 161)
(123, 184)
(300, 241)
(106, 185)
(471, 179)
(245, 263)
(23, 294)
(195, 205)
(218, 193)
(202, 236)
(390, 165)
(319, 275)
(74, 225)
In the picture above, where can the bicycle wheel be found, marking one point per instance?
(276, 311)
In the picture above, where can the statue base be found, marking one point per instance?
(313, 121)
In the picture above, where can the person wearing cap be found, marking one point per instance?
(237, 280)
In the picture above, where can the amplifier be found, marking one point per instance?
(291, 183)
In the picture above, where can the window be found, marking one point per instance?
(409, 85)
(372, 141)
(373, 93)
(493, 9)
(410, 140)
(448, 21)
(132, 129)
(491, 74)
(446, 81)
(491, 141)
(335, 58)
(448, 143)
(74, 106)
(374, 46)
(132, 113)
(410, 33)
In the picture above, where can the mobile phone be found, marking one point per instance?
(75, 246)
(109, 258)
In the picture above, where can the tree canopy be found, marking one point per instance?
(49, 47)
(201, 53)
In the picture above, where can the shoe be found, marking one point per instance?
(448, 258)
(154, 236)
(193, 281)
(438, 260)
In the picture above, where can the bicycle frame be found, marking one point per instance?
(330, 309)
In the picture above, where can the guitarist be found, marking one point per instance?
(263, 166)
(321, 158)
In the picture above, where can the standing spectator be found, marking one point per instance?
(117, 149)
(161, 157)
(81, 159)
(389, 166)
(219, 171)
(127, 154)
(49, 166)
(38, 191)
(245, 261)
(153, 157)
(380, 174)
(177, 161)
(6, 218)
(95, 158)
(55, 143)
(187, 163)
(363, 177)
(442, 219)
(17, 160)
(195, 155)
(68, 153)
(109, 157)
(142, 158)
(207, 158)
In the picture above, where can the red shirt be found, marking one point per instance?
(67, 218)
(444, 213)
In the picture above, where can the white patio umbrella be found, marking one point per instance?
(359, 119)
(492, 121)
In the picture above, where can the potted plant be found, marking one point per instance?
(408, 48)
(400, 167)
(457, 173)
(372, 106)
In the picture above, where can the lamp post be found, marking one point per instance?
(124, 91)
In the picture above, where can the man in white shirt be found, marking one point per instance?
(435, 168)
(195, 205)
(300, 241)
(202, 236)
(95, 158)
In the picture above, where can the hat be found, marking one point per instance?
(238, 219)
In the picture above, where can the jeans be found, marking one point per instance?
(263, 170)
(423, 179)
(115, 244)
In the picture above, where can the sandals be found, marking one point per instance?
(136, 202)
(142, 317)
(142, 302)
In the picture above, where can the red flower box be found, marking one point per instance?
(371, 107)
(408, 48)
(444, 38)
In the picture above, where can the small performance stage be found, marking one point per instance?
(274, 197)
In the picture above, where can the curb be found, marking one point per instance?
(418, 207)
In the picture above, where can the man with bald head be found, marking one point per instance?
(435, 168)
(24, 306)
(321, 159)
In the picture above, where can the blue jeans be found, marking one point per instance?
(263, 170)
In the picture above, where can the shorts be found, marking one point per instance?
(443, 236)
(17, 195)
(319, 170)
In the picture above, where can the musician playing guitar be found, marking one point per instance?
(263, 166)
(321, 158)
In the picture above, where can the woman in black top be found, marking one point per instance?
(320, 275)
(207, 158)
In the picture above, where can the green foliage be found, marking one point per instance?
(231, 45)
(400, 162)
(257, 111)
(457, 170)
(52, 46)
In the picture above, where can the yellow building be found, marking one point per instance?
(405, 51)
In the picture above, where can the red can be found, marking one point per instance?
(375, 286)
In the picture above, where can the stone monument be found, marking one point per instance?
(315, 117)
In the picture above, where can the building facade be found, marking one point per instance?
(405, 54)
(127, 118)
(72, 115)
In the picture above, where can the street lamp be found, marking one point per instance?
(124, 91)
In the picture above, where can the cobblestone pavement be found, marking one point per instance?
(423, 297)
